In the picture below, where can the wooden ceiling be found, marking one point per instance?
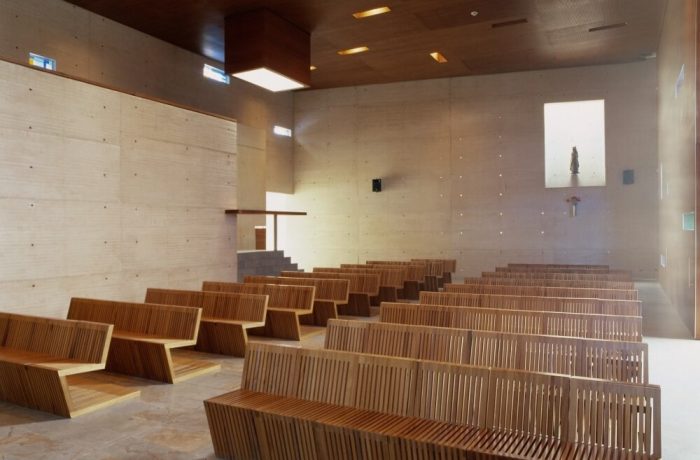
(505, 35)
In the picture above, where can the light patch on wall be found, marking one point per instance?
(679, 82)
(282, 131)
(574, 144)
(37, 60)
(216, 74)
(689, 221)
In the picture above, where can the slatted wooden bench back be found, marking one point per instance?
(590, 271)
(220, 305)
(510, 404)
(280, 296)
(83, 341)
(551, 283)
(387, 276)
(559, 276)
(514, 302)
(605, 327)
(603, 359)
(433, 267)
(336, 290)
(544, 291)
(415, 271)
(402, 270)
(582, 266)
(166, 321)
(360, 283)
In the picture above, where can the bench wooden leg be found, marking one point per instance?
(222, 339)
(411, 290)
(358, 305)
(431, 283)
(40, 389)
(440, 282)
(386, 294)
(447, 277)
(140, 359)
(323, 311)
(280, 324)
(232, 432)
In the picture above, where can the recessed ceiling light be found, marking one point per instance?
(438, 57)
(358, 49)
(474, 13)
(313, 67)
(269, 79)
(607, 27)
(372, 12)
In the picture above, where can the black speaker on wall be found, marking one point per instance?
(376, 185)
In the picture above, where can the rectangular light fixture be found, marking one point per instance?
(372, 12)
(216, 74)
(282, 131)
(438, 57)
(269, 79)
(312, 67)
(359, 49)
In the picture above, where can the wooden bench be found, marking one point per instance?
(362, 287)
(46, 364)
(544, 291)
(322, 404)
(144, 337)
(560, 276)
(225, 320)
(329, 294)
(390, 281)
(591, 326)
(533, 303)
(583, 266)
(415, 276)
(285, 305)
(449, 266)
(602, 359)
(551, 283)
(589, 271)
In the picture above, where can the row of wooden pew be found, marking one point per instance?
(466, 373)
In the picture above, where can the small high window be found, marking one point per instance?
(42, 61)
(282, 131)
(216, 74)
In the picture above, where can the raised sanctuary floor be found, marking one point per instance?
(168, 421)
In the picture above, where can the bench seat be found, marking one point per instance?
(64, 366)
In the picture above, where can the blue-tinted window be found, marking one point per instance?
(42, 61)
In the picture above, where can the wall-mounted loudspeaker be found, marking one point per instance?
(628, 176)
(376, 185)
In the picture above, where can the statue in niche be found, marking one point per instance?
(573, 167)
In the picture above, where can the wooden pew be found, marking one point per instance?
(415, 277)
(362, 287)
(560, 276)
(533, 303)
(322, 404)
(402, 276)
(46, 364)
(602, 359)
(144, 337)
(544, 291)
(329, 293)
(591, 326)
(449, 266)
(583, 266)
(285, 305)
(390, 281)
(551, 283)
(225, 320)
(589, 271)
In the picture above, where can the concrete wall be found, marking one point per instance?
(104, 194)
(462, 162)
(100, 50)
(677, 153)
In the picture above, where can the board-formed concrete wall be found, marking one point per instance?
(462, 164)
(104, 194)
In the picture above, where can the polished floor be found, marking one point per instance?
(168, 421)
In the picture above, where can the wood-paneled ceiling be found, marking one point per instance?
(505, 35)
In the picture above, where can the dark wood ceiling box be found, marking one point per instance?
(260, 38)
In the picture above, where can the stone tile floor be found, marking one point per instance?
(168, 421)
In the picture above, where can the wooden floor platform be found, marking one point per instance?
(96, 390)
(186, 366)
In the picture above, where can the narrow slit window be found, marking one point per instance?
(216, 74)
(574, 144)
(282, 131)
(44, 62)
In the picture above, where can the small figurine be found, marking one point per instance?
(574, 161)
